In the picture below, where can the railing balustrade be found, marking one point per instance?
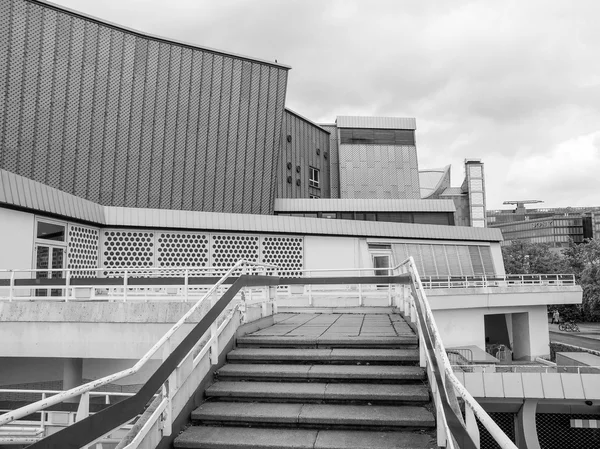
(403, 288)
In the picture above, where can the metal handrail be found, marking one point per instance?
(428, 327)
(88, 387)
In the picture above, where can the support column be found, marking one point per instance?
(72, 374)
(526, 428)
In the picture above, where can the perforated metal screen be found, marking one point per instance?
(143, 249)
(506, 422)
(82, 248)
(555, 431)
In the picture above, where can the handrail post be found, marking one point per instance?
(471, 424)
(125, 286)
(214, 347)
(168, 390)
(83, 409)
(11, 285)
(186, 284)
(67, 285)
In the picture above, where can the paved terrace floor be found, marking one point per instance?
(326, 328)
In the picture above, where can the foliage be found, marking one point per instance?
(582, 260)
(532, 258)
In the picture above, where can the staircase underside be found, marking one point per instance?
(318, 381)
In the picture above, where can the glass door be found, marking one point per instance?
(49, 258)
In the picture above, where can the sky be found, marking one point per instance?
(513, 83)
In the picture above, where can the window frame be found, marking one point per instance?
(314, 181)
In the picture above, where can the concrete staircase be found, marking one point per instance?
(332, 384)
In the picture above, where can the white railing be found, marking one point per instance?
(560, 369)
(199, 351)
(27, 431)
(114, 284)
(509, 280)
(416, 307)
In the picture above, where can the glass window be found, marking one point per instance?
(50, 231)
(313, 177)
(329, 215)
(315, 197)
(347, 216)
(370, 217)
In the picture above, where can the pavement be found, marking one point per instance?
(589, 337)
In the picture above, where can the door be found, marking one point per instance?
(47, 259)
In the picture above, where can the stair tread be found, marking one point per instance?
(341, 340)
(209, 437)
(320, 391)
(281, 371)
(321, 414)
(324, 354)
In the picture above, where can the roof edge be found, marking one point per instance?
(310, 122)
(73, 12)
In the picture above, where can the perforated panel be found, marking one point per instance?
(182, 250)
(124, 249)
(506, 422)
(555, 431)
(226, 250)
(82, 249)
(285, 252)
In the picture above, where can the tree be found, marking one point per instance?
(533, 258)
(584, 263)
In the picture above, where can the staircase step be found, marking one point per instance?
(318, 392)
(315, 415)
(208, 437)
(405, 341)
(324, 355)
(353, 373)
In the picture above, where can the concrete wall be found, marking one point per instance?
(462, 327)
(86, 330)
(334, 252)
(16, 239)
(39, 370)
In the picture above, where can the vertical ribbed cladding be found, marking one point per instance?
(134, 162)
(301, 151)
(222, 149)
(126, 119)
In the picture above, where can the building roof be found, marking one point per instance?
(310, 122)
(151, 36)
(376, 122)
(21, 192)
(362, 205)
(452, 191)
(430, 180)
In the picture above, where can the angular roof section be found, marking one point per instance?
(431, 180)
(24, 193)
(310, 122)
(362, 205)
(151, 36)
(452, 191)
(376, 122)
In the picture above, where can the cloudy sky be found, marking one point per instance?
(513, 83)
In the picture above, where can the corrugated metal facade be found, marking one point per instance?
(303, 145)
(334, 160)
(123, 119)
(365, 205)
(379, 171)
(376, 122)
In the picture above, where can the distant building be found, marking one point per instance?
(555, 226)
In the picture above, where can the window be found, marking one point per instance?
(50, 231)
(313, 177)
(313, 196)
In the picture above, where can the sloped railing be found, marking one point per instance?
(454, 430)
(90, 428)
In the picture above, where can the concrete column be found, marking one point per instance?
(526, 428)
(72, 374)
